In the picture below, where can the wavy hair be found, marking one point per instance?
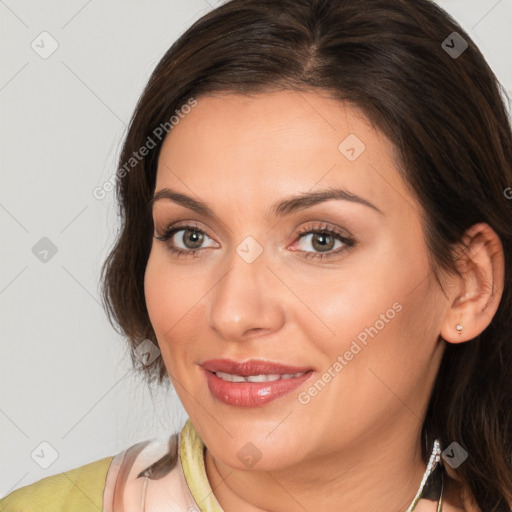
(445, 115)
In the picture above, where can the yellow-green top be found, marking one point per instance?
(82, 489)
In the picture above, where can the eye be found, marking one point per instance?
(324, 239)
(189, 242)
(327, 241)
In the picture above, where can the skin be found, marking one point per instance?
(356, 445)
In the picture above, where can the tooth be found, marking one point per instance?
(230, 377)
(258, 378)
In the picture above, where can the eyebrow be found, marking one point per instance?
(280, 209)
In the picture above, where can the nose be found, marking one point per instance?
(247, 301)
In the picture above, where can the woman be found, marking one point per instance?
(316, 234)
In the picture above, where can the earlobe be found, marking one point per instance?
(475, 296)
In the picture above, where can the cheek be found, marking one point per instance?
(358, 302)
(380, 359)
(166, 299)
(175, 299)
(157, 291)
(376, 317)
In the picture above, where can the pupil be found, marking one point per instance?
(324, 241)
(195, 238)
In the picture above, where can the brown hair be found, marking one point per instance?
(448, 122)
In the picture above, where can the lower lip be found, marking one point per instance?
(251, 394)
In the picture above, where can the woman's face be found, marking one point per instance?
(338, 291)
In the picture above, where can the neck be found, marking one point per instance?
(381, 474)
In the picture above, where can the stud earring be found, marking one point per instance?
(459, 328)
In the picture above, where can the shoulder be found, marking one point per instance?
(149, 472)
(78, 489)
(114, 482)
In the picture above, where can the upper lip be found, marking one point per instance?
(251, 367)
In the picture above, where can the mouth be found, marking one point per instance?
(229, 377)
(252, 383)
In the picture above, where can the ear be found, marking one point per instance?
(474, 297)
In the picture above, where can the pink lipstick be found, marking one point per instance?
(252, 383)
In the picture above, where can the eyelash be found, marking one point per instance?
(324, 229)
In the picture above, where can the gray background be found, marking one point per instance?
(67, 392)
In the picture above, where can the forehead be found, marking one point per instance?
(264, 145)
(285, 121)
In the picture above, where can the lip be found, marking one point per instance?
(251, 394)
(251, 367)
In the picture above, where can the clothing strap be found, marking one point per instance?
(192, 450)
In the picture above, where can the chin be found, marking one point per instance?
(255, 445)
